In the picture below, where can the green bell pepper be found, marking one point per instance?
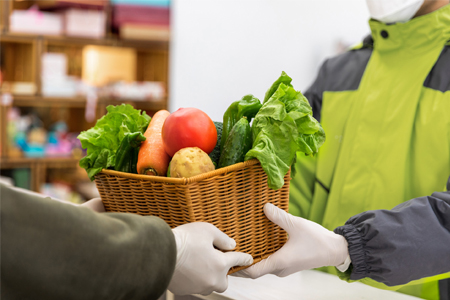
(248, 106)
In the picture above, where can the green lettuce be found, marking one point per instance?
(103, 140)
(283, 126)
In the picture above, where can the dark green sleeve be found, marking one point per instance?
(51, 250)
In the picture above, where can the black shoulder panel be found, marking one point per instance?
(439, 76)
(344, 72)
(340, 73)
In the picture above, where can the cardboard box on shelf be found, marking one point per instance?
(54, 65)
(66, 87)
(55, 82)
(145, 32)
(34, 21)
(103, 65)
(85, 23)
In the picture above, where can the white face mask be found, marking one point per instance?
(393, 11)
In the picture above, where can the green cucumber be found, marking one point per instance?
(215, 154)
(238, 143)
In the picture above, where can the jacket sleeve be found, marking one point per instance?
(396, 246)
(51, 250)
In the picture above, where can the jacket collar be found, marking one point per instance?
(418, 35)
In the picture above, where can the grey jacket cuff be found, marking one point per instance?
(356, 247)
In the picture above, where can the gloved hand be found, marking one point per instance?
(95, 204)
(200, 268)
(309, 246)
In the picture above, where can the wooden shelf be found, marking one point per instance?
(39, 167)
(37, 101)
(22, 56)
(65, 40)
(50, 162)
(22, 59)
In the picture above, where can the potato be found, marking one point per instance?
(188, 162)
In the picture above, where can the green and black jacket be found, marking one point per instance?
(51, 250)
(385, 108)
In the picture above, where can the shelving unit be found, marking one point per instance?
(80, 102)
(64, 40)
(39, 167)
(22, 63)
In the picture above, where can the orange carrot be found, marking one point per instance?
(152, 158)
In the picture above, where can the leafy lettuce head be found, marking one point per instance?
(283, 126)
(103, 140)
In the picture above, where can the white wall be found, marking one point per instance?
(222, 50)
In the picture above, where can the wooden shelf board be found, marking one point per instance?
(37, 101)
(50, 162)
(58, 40)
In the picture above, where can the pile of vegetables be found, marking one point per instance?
(187, 142)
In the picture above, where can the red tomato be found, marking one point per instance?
(188, 127)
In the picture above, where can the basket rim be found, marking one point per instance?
(182, 181)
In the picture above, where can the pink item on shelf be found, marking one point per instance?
(63, 148)
(35, 22)
(85, 23)
(137, 14)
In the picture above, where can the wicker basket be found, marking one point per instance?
(231, 198)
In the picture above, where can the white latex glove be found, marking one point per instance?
(200, 268)
(95, 204)
(309, 246)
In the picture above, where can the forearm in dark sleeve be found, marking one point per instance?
(51, 250)
(396, 246)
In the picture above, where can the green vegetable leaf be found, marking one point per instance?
(284, 78)
(283, 126)
(103, 140)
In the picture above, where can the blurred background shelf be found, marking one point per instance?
(53, 162)
(161, 44)
(33, 173)
(80, 102)
(62, 63)
(38, 101)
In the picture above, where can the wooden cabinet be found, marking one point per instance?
(21, 64)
